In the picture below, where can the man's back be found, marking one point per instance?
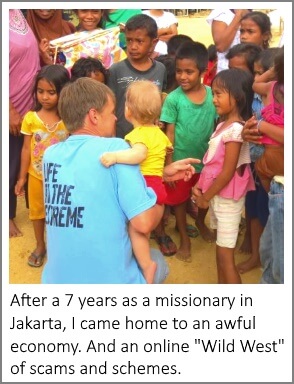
(87, 218)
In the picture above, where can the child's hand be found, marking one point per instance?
(250, 131)
(121, 27)
(44, 46)
(19, 187)
(196, 192)
(108, 159)
(201, 202)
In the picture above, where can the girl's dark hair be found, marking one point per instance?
(194, 51)
(263, 21)
(84, 66)
(249, 51)
(266, 57)
(106, 17)
(279, 66)
(142, 21)
(212, 53)
(238, 83)
(55, 74)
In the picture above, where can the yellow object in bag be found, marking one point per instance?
(100, 44)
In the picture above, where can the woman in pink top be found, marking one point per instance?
(226, 176)
(24, 63)
(271, 162)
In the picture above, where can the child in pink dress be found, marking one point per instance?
(226, 176)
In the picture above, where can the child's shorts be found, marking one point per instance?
(225, 217)
(256, 204)
(36, 199)
(182, 190)
(156, 183)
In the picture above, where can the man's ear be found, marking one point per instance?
(93, 115)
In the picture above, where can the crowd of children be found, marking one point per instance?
(171, 108)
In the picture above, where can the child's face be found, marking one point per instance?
(258, 70)
(98, 76)
(187, 74)
(223, 102)
(44, 14)
(238, 62)
(89, 18)
(250, 32)
(139, 44)
(46, 94)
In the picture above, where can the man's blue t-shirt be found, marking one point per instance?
(88, 208)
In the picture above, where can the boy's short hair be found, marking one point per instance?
(143, 99)
(175, 41)
(194, 51)
(84, 66)
(142, 21)
(249, 51)
(170, 66)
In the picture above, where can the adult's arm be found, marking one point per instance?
(15, 120)
(148, 220)
(164, 34)
(180, 169)
(262, 84)
(253, 134)
(24, 165)
(223, 34)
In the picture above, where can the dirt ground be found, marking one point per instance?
(202, 270)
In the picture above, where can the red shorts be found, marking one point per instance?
(181, 191)
(156, 183)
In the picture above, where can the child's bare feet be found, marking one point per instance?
(184, 252)
(245, 247)
(13, 230)
(149, 272)
(248, 265)
(184, 256)
(206, 234)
